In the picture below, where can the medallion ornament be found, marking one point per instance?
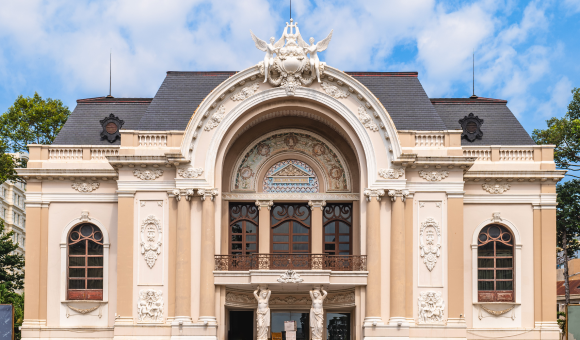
(392, 173)
(85, 186)
(429, 247)
(190, 172)
(262, 313)
(334, 91)
(147, 175)
(433, 176)
(150, 305)
(151, 239)
(471, 126)
(431, 308)
(366, 119)
(111, 128)
(496, 188)
(245, 92)
(290, 276)
(216, 118)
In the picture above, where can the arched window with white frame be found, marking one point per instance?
(495, 264)
(85, 263)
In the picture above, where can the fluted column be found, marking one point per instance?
(397, 298)
(183, 257)
(207, 289)
(373, 291)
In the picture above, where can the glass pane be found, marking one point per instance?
(236, 238)
(503, 249)
(281, 229)
(76, 284)
(344, 253)
(76, 261)
(76, 272)
(237, 228)
(95, 261)
(251, 228)
(280, 246)
(344, 246)
(95, 284)
(329, 238)
(504, 274)
(329, 228)
(485, 285)
(505, 285)
(344, 238)
(485, 263)
(250, 246)
(299, 229)
(338, 326)
(300, 246)
(482, 237)
(281, 238)
(95, 272)
(98, 236)
(95, 248)
(504, 263)
(485, 274)
(300, 238)
(329, 246)
(494, 231)
(77, 249)
(236, 246)
(251, 238)
(343, 228)
(86, 230)
(486, 250)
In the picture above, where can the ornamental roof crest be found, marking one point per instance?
(291, 62)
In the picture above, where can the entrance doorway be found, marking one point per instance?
(241, 325)
(302, 324)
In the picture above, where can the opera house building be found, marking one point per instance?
(291, 200)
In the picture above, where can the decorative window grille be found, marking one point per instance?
(495, 264)
(337, 220)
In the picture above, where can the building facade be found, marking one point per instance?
(399, 215)
(13, 209)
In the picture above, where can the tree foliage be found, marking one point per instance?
(32, 120)
(11, 263)
(565, 134)
(7, 165)
(16, 300)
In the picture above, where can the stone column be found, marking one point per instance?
(183, 257)
(125, 230)
(373, 291)
(264, 231)
(207, 313)
(397, 299)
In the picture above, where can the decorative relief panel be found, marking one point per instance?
(334, 91)
(189, 172)
(392, 173)
(290, 176)
(147, 175)
(496, 188)
(433, 176)
(290, 276)
(431, 308)
(246, 92)
(151, 239)
(347, 298)
(366, 119)
(85, 186)
(429, 248)
(216, 118)
(150, 305)
(297, 141)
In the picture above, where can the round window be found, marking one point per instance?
(111, 128)
(471, 127)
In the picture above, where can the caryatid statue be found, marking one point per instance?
(317, 313)
(262, 313)
(270, 50)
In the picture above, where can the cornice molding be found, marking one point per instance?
(232, 196)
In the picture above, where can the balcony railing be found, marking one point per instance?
(290, 261)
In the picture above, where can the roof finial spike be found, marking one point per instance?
(473, 96)
(110, 54)
(290, 10)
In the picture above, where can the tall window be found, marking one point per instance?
(243, 228)
(85, 263)
(290, 228)
(337, 219)
(495, 262)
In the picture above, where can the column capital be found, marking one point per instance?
(377, 193)
(398, 193)
(187, 193)
(207, 193)
(317, 204)
(264, 203)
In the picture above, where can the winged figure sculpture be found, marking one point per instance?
(270, 49)
(313, 50)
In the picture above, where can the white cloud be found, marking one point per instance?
(573, 5)
(560, 96)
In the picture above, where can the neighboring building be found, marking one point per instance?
(574, 282)
(422, 218)
(13, 208)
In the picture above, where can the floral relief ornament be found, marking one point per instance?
(190, 172)
(246, 92)
(216, 119)
(433, 176)
(147, 175)
(428, 249)
(290, 276)
(334, 91)
(366, 119)
(151, 239)
(431, 308)
(85, 186)
(150, 305)
(393, 173)
(496, 188)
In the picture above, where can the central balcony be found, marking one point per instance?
(281, 261)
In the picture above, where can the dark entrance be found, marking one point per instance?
(241, 325)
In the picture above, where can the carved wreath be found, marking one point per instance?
(151, 239)
(428, 249)
(433, 176)
(496, 188)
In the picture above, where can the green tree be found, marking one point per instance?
(32, 120)
(568, 225)
(11, 263)
(7, 165)
(17, 301)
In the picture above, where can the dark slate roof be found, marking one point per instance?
(500, 126)
(178, 98)
(83, 127)
(403, 96)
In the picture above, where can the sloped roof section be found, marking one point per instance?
(83, 126)
(178, 98)
(403, 96)
(500, 126)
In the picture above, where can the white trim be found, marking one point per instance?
(501, 198)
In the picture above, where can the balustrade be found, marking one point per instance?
(152, 140)
(290, 261)
(430, 140)
(67, 154)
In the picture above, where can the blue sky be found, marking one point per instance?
(525, 51)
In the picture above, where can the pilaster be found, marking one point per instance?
(264, 231)
(398, 259)
(373, 289)
(207, 313)
(317, 233)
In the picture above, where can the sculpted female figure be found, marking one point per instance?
(263, 313)
(317, 313)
